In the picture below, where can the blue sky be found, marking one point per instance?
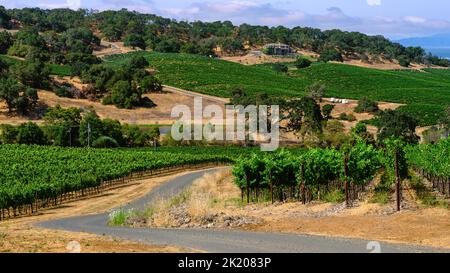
(392, 18)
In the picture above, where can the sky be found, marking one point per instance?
(393, 18)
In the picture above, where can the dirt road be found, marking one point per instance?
(218, 240)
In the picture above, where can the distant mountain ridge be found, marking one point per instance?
(435, 41)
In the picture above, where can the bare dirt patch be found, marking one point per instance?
(21, 235)
(161, 114)
(256, 57)
(349, 108)
(111, 48)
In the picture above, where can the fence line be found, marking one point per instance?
(47, 203)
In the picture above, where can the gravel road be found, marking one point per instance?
(215, 240)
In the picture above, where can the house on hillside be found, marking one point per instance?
(278, 49)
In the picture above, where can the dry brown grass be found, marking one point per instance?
(211, 194)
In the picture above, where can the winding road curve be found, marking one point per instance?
(215, 240)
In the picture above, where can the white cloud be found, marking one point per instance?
(415, 19)
(374, 2)
(74, 4)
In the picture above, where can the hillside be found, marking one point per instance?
(149, 31)
(425, 93)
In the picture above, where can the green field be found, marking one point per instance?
(425, 93)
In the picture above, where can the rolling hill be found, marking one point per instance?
(426, 93)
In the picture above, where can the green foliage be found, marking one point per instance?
(34, 74)
(316, 91)
(150, 84)
(59, 115)
(303, 116)
(105, 142)
(326, 111)
(6, 41)
(91, 128)
(4, 18)
(302, 62)
(397, 124)
(363, 162)
(134, 40)
(431, 158)
(366, 105)
(168, 46)
(426, 196)
(284, 170)
(113, 129)
(139, 62)
(17, 96)
(360, 132)
(135, 137)
(47, 172)
(445, 119)
(118, 218)
(329, 55)
(280, 68)
(123, 95)
(395, 149)
(8, 134)
(404, 61)
(335, 196)
(30, 133)
(347, 117)
(63, 92)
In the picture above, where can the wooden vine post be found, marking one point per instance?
(248, 188)
(397, 174)
(271, 186)
(347, 199)
(303, 184)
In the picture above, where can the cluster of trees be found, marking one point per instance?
(18, 83)
(167, 35)
(74, 46)
(124, 86)
(73, 127)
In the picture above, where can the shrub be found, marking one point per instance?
(302, 63)
(366, 105)
(105, 142)
(150, 84)
(316, 91)
(326, 110)
(30, 133)
(347, 117)
(281, 68)
(330, 55)
(404, 61)
(63, 92)
(8, 134)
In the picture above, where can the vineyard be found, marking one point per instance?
(36, 176)
(433, 163)
(30, 174)
(304, 177)
(219, 78)
(313, 173)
